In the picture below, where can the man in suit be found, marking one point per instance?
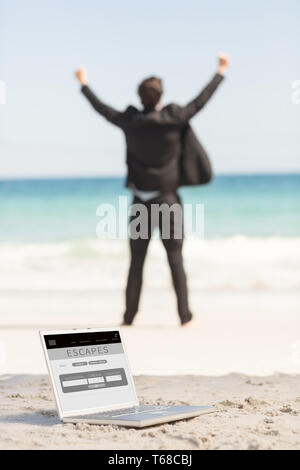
(154, 138)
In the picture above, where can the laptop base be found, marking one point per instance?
(143, 415)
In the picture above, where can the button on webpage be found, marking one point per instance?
(113, 378)
(92, 363)
(95, 380)
(76, 364)
(74, 383)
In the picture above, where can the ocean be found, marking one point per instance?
(251, 234)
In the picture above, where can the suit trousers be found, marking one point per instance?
(166, 214)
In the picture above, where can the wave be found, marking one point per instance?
(234, 264)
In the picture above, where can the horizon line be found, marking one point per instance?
(108, 176)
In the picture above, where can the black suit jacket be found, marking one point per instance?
(163, 152)
(195, 166)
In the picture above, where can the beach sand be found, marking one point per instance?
(243, 356)
(251, 413)
(253, 334)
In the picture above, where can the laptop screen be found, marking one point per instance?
(90, 370)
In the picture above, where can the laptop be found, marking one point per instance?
(92, 382)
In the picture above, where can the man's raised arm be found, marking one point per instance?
(111, 114)
(194, 106)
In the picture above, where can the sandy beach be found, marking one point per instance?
(242, 356)
(249, 333)
(251, 413)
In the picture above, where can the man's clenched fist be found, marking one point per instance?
(81, 75)
(223, 63)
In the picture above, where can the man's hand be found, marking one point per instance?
(81, 75)
(223, 63)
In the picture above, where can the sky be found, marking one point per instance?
(48, 129)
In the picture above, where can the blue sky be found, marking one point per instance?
(47, 128)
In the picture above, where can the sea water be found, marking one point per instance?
(251, 236)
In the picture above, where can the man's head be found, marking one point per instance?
(150, 92)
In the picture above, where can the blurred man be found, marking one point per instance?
(154, 137)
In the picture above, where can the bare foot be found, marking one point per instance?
(190, 324)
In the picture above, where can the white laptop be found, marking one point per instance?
(92, 382)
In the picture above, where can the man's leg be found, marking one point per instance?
(138, 250)
(173, 247)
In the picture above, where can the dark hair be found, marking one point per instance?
(150, 91)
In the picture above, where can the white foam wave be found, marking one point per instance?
(236, 263)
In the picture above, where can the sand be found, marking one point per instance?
(251, 413)
(253, 334)
(243, 356)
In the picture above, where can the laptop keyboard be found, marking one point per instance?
(124, 412)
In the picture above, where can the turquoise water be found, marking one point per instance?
(65, 209)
